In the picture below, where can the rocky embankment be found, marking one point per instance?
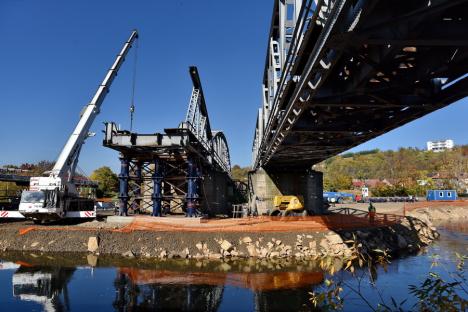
(408, 235)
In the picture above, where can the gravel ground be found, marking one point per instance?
(74, 238)
(101, 238)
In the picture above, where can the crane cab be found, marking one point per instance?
(46, 199)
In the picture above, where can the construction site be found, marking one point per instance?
(185, 172)
(335, 76)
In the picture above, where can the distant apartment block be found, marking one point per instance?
(439, 146)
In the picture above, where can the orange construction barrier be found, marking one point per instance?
(338, 221)
(262, 224)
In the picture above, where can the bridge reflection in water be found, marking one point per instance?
(176, 285)
(203, 291)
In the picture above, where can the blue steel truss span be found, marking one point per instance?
(183, 169)
(339, 73)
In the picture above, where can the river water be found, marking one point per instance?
(35, 282)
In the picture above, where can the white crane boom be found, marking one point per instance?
(55, 196)
(66, 162)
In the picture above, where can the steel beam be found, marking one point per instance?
(123, 186)
(192, 187)
(157, 179)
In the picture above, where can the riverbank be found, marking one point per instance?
(440, 215)
(299, 238)
(102, 282)
(430, 212)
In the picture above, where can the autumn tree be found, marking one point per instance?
(239, 173)
(107, 181)
(404, 168)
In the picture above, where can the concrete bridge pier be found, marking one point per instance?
(266, 183)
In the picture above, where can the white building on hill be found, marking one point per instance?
(439, 146)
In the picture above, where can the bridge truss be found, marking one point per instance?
(339, 73)
(175, 171)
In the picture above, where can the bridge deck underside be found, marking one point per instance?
(389, 70)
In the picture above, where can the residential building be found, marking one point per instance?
(439, 146)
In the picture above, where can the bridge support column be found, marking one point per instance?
(137, 190)
(157, 178)
(266, 183)
(192, 187)
(123, 186)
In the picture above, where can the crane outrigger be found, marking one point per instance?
(55, 196)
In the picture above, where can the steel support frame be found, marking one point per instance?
(193, 187)
(164, 186)
(123, 186)
(157, 177)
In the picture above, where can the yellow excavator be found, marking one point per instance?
(288, 205)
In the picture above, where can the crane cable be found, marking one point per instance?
(132, 105)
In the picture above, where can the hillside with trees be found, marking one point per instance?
(408, 171)
(239, 173)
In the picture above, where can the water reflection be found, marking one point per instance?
(203, 291)
(264, 281)
(44, 285)
(175, 285)
(131, 295)
(120, 284)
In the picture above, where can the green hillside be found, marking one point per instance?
(403, 169)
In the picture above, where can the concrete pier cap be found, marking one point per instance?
(268, 182)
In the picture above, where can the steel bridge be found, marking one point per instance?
(14, 175)
(339, 73)
(185, 169)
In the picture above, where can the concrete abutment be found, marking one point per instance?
(266, 183)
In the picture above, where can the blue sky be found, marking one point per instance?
(55, 53)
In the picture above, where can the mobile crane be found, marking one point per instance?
(55, 196)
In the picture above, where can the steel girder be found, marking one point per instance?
(360, 70)
(198, 122)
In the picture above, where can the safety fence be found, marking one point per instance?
(338, 219)
(341, 219)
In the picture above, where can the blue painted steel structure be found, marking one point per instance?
(192, 187)
(183, 170)
(123, 186)
(157, 176)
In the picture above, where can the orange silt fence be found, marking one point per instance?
(262, 223)
(348, 219)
